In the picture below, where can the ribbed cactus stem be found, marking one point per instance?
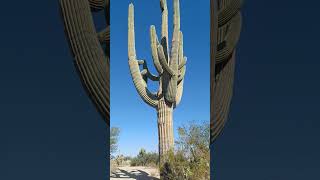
(165, 127)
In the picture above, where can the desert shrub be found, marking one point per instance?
(145, 159)
(113, 166)
(191, 158)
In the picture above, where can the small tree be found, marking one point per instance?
(191, 159)
(114, 138)
(142, 156)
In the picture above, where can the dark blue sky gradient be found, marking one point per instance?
(48, 127)
(274, 128)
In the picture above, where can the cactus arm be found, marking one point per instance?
(163, 4)
(175, 51)
(177, 35)
(183, 63)
(131, 35)
(182, 60)
(224, 39)
(164, 26)
(176, 14)
(89, 58)
(104, 36)
(154, 44)
(182, 72)
(163, 61)
(146, 72)
(179, 93)
(231, 39)
(223, 96)
(98, 5)
(139, 83)
(229, 11)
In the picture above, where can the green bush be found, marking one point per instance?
(191, 159)
(145, 159)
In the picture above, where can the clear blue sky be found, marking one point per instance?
(138, 121)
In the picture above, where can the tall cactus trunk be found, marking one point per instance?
(165, 127)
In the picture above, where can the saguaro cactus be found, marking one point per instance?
(171, 68)
(90, 49)
(225, 33)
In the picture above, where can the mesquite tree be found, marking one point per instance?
(171, 69)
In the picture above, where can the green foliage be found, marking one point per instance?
(114, 138)
(191, 159)
(145, 159)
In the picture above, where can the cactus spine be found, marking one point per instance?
(225, 32)
(87, 45)
(171, 68)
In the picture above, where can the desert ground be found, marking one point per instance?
(139, 173)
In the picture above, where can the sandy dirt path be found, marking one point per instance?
(139, 173)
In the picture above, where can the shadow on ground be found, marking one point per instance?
(133, 174)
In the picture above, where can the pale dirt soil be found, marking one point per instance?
(139, 173)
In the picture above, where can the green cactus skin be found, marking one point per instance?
(171, 68)
(225, 32)
(90, 59)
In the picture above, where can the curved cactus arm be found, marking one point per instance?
(223, 95)
(223, 41)
(98, 5)
(231, 39)
(89, 57)
(104, 36)
(182, 73)
(183, 63)
(179, 93)
(229, 11)
(146, 72)
(163, 61)
(139, 83)
(154, 45)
